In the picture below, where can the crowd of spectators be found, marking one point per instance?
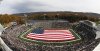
(10, 37)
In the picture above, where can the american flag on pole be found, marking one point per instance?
(51, 35)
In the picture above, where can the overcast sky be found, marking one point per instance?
(19, 6)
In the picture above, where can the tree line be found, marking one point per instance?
(4, 19)
(70, 17)
(21, 19)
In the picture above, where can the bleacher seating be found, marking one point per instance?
(10, 37)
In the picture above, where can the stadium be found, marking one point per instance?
(51, 35)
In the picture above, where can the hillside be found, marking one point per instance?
(61, 13)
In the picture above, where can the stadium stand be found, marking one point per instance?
(88, 43)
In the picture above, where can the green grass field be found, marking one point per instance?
(71, 42)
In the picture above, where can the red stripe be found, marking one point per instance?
(51, 36)
(52, 39)
(54, 36)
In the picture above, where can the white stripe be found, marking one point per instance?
(52, 39)
(52, 35)
(49, 35)
(39, 37)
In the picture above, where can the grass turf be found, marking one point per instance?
(71, 42)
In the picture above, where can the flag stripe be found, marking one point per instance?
(52, 35)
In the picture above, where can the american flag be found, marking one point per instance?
(52, 35)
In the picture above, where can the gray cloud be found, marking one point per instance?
(19, 6)
(29, 6)
(1, 1)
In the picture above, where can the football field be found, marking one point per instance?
(54, 37)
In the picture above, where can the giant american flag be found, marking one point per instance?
(51, 35)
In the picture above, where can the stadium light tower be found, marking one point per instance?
(44, 16)
(58, 16)
(26, 18)
(1, 29)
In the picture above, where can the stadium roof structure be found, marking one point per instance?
(1, 29)
(97, 48)
(87, 22)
